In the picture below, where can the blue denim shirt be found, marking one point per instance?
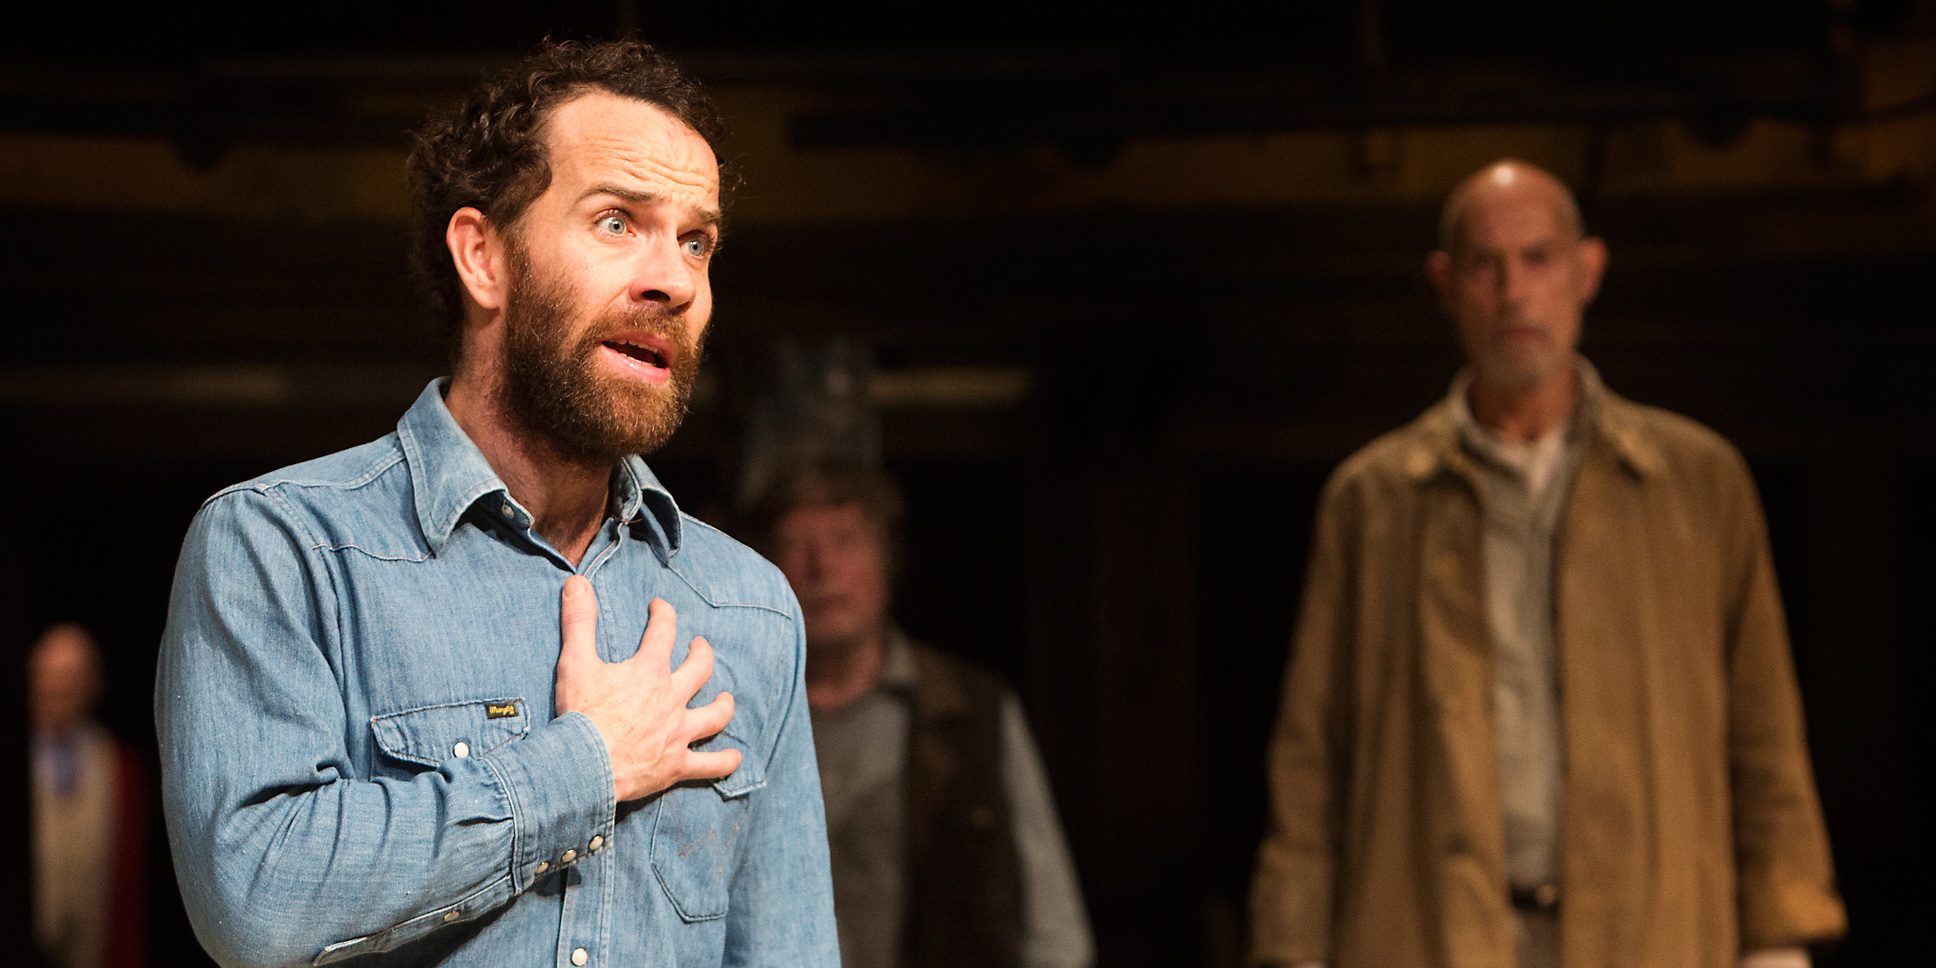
(360, 755)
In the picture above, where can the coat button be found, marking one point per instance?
(597, 842)
(461, 750)
(451, 915)
(569, 855)
(543, 865)
(579, 956)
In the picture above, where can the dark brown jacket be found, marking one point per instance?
(964, 898)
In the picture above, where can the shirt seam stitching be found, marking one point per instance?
(353, 546)
(261, 486)
(707, 597)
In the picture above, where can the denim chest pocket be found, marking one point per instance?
(697, 838)
(432, 735)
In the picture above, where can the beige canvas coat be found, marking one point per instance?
(1692, 830)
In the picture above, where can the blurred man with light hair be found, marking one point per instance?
(1540, 708)
(942, 832)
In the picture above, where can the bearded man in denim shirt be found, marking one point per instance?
(478, 693)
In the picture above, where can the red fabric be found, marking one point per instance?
(126, 943)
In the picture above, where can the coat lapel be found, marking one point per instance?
(1465, 839)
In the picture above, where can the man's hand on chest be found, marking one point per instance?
(639, 704)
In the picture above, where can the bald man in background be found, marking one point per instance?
(1540, 708)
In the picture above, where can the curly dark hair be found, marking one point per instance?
(489, 152)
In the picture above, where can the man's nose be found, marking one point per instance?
(802, 564)
(1512, 282)
(817, 559)
(664, 276)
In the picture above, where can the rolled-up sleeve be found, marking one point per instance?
(284, 855)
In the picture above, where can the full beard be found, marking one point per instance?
(553, 387)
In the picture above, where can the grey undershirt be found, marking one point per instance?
(862, 748)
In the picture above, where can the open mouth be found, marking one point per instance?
(644, 353)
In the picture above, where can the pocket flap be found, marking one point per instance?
(747, 732)
(430, 735)
(751, 774)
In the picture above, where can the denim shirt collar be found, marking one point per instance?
(448, 475)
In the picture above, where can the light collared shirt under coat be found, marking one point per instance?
(1524, 491)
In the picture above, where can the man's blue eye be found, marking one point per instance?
(612, 224)
(696, 247)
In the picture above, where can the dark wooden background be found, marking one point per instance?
(202, 284)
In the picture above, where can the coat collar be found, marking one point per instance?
(1605, 419)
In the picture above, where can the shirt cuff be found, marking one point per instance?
(1776, 958)
(563, 799)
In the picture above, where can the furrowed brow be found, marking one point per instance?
(632, 196)
(629, 195)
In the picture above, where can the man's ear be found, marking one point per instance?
(477, 250)
(1592, 253)
(1438, 268)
